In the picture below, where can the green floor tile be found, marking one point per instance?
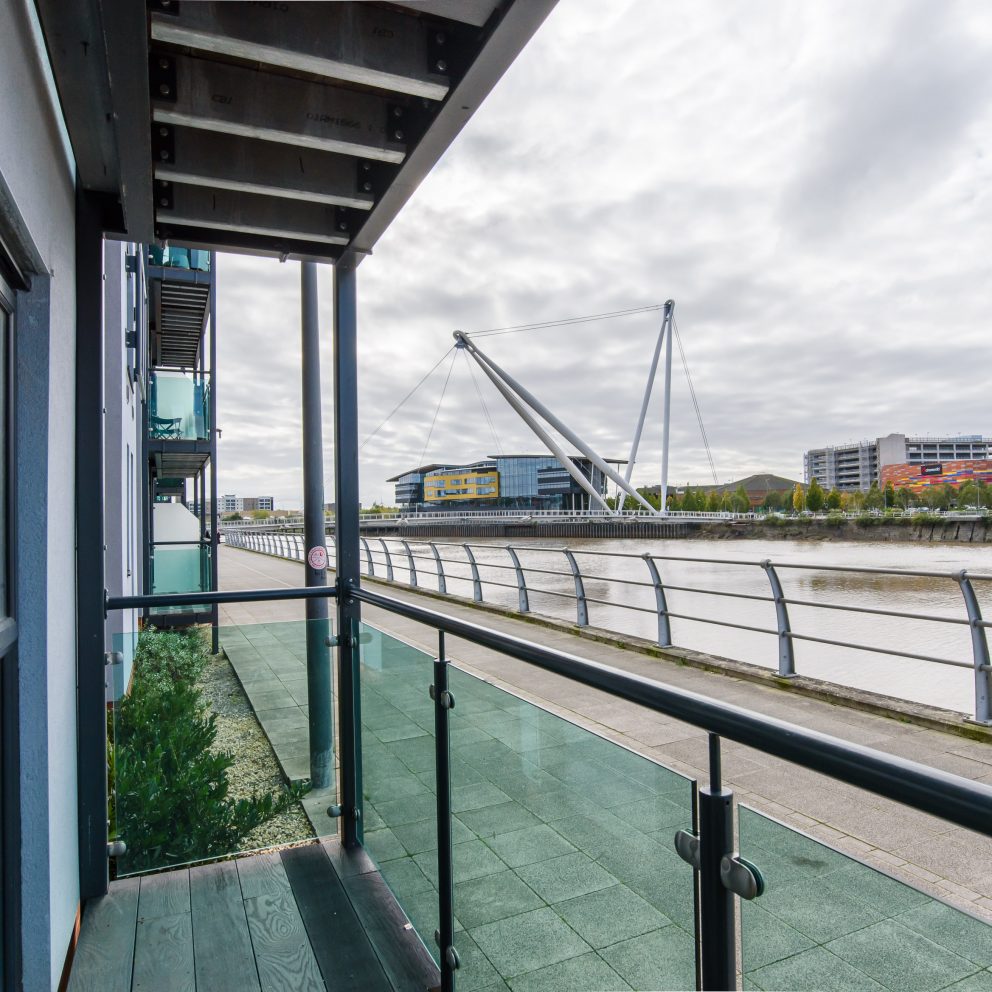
(979, 982)
(661, 960)
(493, 897)
(610, 915)
(476, 796)
(470, 860)
(397, 811)
(901, 959)
(656, 813)
(529, 845)
(587, 973)
(766, 939)
(384, 845)
(500, 819)
(595, 833)
(874, 889)
(394, 787)
(422, 836)
(565, 877)
(405, 879)
(400, 731)
(814, 970)
(528, 942)
(821, 919)
(475, 971)
(958, 932)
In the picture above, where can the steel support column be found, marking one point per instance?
(212, 412)
(347, 547)
(318, 628)
(91, 690)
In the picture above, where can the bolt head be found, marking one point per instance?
(397, 111)
(165, 89)
(441, 65)
(398, 135)
(367, 187)
(163, 201)
(163, 63)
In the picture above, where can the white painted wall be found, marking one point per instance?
(37, 177)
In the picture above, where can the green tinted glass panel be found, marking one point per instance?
(565, 871)
(398, 783)
(178, 407)
(826, 921)
(210, 754)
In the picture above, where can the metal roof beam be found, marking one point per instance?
(194, 206)
(255, 104)
(354, 43)
(474, 12)
(218, 161)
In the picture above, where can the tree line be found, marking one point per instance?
(815, 499)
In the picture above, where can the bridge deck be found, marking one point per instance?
(952, 864)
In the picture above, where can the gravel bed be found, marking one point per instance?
(255, 769)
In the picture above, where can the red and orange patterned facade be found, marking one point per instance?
(937, 474)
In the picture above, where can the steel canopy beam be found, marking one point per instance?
(354, 43)
(256, 104)
(219, 161)
(226, 211)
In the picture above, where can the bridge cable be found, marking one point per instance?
(408, 395)
(695, 403)
(444, 389)
(564, 321)
(485, 408)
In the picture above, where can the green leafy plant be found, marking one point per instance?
(172, 802)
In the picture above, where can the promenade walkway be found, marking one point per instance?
(945, 861)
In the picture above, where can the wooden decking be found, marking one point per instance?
(306, 919)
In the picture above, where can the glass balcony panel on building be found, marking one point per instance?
(178, 407)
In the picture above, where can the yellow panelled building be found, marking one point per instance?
(482, 483)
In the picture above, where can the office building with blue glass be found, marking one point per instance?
(531, 482)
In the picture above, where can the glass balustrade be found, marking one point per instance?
(563, 867)
(178, 406)
(178, 568)
(179, 258)
(827, 921)
(209, 755)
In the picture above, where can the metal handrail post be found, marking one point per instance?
(661, 602)
(980, 650)
(411, 565)
(443, 702)
(389, 560)
(786, 654)
(442, 584)
(476, 580)
(368, 555)
(581, 606)
(523, 600)
(717, 931)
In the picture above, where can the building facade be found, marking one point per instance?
(536, 482)
(857, 465)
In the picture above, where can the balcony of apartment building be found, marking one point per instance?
(425, 826)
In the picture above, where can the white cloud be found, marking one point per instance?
(809, 182)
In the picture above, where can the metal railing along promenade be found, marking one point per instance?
(706, 842)
(441, 562)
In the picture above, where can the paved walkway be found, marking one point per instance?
(945, 861)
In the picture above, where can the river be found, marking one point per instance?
(926, 682)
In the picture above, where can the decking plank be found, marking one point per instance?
(164, 895)
(347, 860)
(105, 951)
(399, 949)
(163, 955)
(340, 944)
(285, 960)
(262, 874)
(222, 953)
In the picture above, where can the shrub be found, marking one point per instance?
(835, 520)
(172, 803)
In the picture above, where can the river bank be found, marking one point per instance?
(873, 529)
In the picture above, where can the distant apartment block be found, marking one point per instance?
(857, 465)
(245, 504)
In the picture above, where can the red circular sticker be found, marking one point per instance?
(317, 558)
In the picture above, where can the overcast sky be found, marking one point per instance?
(809, 182)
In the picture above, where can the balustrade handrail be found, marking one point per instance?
(784, 631)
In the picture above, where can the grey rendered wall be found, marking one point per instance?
(37, 198)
